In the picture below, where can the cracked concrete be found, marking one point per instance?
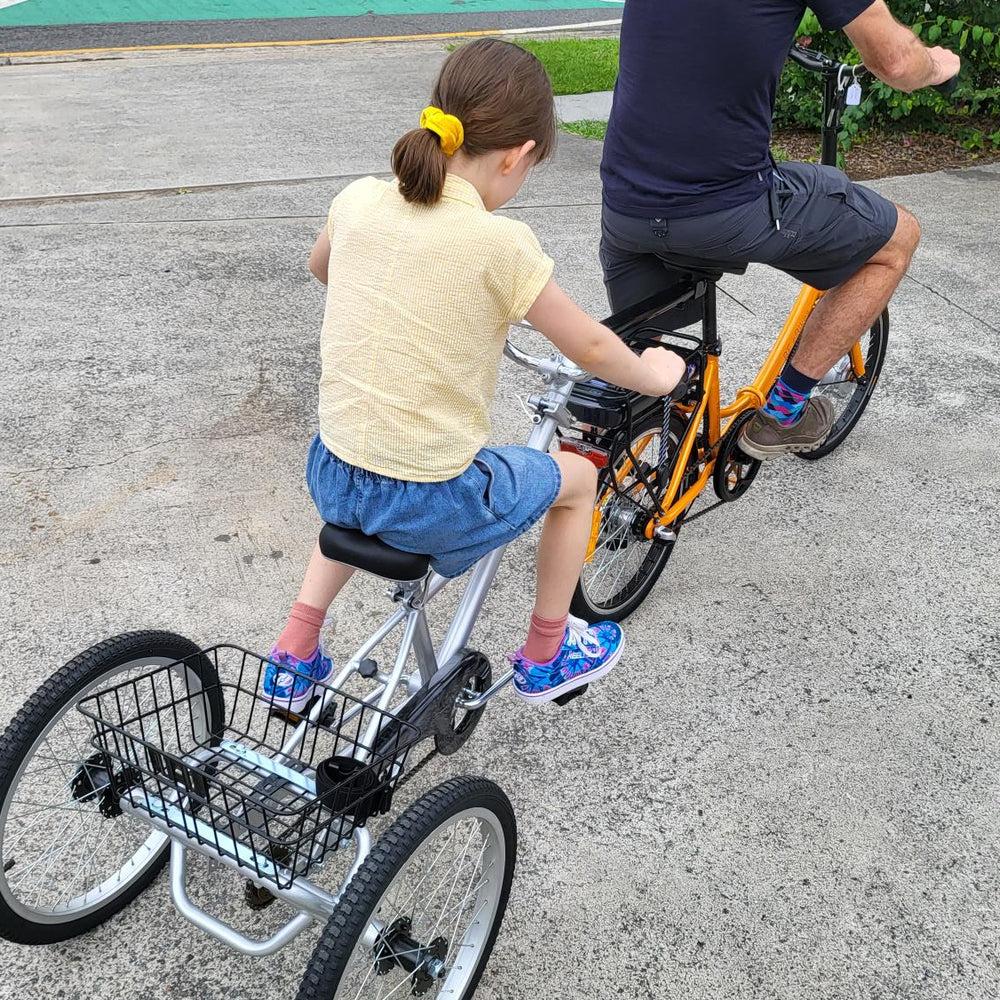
(789, 788)
(955, 305)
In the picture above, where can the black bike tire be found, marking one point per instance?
(651, 420)
(393, 849)
(66, 686)
(878, 346)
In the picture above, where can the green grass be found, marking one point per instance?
(589, 128)
(578, 65)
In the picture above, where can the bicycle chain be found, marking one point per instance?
(417, 768)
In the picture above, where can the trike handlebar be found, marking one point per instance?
(553, 367)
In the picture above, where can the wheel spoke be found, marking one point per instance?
(623, 557)
(454, 883)
(446, 891)
(63, 858)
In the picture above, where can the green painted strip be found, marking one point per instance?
(34, 13)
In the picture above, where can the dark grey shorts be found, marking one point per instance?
(829, 228)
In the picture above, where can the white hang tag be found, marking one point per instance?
(854, 95)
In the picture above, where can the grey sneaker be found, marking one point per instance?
(763, 437)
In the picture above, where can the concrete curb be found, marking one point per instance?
(584, 107)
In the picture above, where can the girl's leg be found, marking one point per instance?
(565, 535)
(561, 551)
(324, 579)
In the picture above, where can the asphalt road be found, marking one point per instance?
(787, 790)
(165, 28)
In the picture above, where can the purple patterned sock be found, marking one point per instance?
(789, 396)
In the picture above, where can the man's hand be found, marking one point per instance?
(894, 53)
(947, 65)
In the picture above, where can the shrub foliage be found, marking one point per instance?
(970, 27)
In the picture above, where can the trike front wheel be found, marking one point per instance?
(422, 913)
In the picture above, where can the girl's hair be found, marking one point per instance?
(502, 96)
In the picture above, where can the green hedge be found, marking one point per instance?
(970, 27)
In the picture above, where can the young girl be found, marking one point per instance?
(423, 284)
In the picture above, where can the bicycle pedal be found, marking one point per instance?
(256, 896)
(565, 699)
(294, 717)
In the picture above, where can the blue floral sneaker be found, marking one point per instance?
(290, 682)
(587, 654)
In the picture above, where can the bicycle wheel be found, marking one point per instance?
(421, 915)
(69, 858)
(848, 393)
(625, 564)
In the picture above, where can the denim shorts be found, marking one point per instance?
(456, 522)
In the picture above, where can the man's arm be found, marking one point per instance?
(894, 53)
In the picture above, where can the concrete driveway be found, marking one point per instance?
(789, 787)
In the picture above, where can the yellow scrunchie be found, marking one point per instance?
(447, 127)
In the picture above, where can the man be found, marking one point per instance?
(689, 182)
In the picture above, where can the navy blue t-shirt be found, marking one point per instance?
(690, 126)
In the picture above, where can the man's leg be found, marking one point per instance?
(845, 312)
(832, 234)
(791, 419)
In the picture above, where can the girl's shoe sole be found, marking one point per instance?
(575, 682)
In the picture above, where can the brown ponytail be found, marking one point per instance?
(503, 98)
(420, 166)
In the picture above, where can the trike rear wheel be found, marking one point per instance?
(69, 857)
(422, 913)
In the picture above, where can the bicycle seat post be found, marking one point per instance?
(710, 322)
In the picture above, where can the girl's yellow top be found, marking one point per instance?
(419, 302)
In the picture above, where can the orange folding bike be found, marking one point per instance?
(657, 455)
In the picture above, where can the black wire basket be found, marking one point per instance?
(194, 746)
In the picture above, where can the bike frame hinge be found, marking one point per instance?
(410, 594)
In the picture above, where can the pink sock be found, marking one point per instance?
(544, 638)
(301, 635)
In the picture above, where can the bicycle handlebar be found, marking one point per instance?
(817, 62)
(947, 88)
(557, 367)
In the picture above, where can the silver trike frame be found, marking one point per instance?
(548, 411)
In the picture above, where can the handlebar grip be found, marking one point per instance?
(947, 88)
(679, 391)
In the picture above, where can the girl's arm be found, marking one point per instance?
(596, 349)
(319, 259)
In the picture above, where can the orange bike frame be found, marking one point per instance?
(709, 411)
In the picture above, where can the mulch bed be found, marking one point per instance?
(888, 154)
